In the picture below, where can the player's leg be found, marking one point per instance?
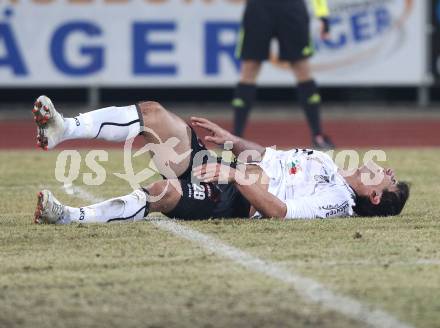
(308, 95)
(310, 100)
(168, 137)
(119, 124)
(110, 123)
(244, 94)
(175, 198)
(161, 196)
(293, 33)
(252, 48)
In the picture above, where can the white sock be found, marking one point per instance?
(110, 123)
(132, 207)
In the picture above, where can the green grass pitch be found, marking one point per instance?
(136, 275)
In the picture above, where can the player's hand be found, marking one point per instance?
(217, 135)
(219, 173)
(325, 28)
(215, 172)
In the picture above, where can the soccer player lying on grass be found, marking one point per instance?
(283, 184)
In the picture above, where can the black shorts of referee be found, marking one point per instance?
(285, 20)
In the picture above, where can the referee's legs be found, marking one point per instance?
(245, 93)
(310, 101)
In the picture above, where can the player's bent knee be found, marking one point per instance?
(165, 188)
(151, 111)
(164, 195)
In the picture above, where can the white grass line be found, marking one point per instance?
(421, 262)
(306, 287)
(364, 263)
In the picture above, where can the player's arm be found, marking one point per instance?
(321, 10)
(240, 145)
(220, 136)
(264, 202)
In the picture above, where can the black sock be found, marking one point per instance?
(310, 100)
(243, 100)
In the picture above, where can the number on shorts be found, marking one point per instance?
(199, 192)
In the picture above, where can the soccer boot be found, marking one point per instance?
(50, 123)
(49, 209)
(322, 142)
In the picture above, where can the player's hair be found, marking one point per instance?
(391, 203)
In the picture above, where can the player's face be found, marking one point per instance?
(378, 177)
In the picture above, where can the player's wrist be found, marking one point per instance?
(234, 140)
(230, 137)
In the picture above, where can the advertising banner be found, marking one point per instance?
(192, 43)
(436, 40)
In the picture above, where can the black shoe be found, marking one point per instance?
(324, 144)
